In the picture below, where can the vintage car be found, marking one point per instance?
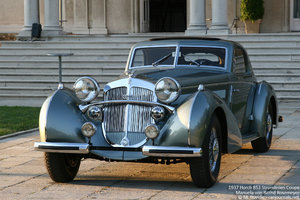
(179, 100)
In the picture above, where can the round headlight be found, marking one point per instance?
(167, 90)
(88, 129)
(86, 89)
(151, 131)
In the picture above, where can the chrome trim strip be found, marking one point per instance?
(165, 151)
(60, 147)
(230, 94)
(84, 108)
(190, 118)
(127, 114)
(134, 82)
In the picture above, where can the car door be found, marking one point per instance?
(242, 85)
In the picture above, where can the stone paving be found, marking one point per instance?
(244, 175)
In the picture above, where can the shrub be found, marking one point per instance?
(252, 9)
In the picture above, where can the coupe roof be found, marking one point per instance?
(175, 41)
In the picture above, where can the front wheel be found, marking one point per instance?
(263, 144)
(62, 167)
(205, 170)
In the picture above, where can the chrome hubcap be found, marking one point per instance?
(213, 150)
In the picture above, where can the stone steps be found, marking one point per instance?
(27, 74)
(79, 63)
(279, 77)
(66, 69)
(75, 50)
(287, 92)
(43, 77)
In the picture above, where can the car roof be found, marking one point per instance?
(175, 41)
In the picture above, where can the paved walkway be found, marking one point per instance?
(244, 175)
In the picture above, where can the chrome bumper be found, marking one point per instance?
(163, 151)
(56, 147)
(83, 148)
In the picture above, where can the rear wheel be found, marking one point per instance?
(205, 170)
(263, 144)
(62, 167)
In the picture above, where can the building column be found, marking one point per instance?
(135, 15)
(219, 23)
(52, 26)
(81, 17)
(31, 15)
(197, 25)
(98, 24)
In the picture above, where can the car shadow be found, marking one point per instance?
(119, 182)
(180, 183)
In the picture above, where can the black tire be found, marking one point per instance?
(263, 144)
(205, 170)
(62, 167)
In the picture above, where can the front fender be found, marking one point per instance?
(206, 104)
(60, 118)
(188, 125)
(263, 95)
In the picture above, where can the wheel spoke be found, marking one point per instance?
(213, 150)
(269, 125)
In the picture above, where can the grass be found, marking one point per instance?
(14, 119)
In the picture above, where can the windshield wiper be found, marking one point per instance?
(154, 64)
(193, 61)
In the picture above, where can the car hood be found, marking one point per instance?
(187, 77)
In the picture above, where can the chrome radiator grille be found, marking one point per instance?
(114, 115)
(138, 116)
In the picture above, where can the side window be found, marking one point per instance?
(208, 56)
(239, 61)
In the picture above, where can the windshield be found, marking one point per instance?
(208, 56)
(154, 56)
(187, 56)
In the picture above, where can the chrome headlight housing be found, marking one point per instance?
(167, 89)
(95, 113)
(158, 113)
(86, 89)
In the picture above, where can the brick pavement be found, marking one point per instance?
(23, 175)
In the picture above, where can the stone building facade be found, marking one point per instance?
(194, 17)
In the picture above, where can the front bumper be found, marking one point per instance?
(83, 148)
(59, 147)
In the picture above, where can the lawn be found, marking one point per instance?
(14, 119)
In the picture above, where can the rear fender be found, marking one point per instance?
(263, 96)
